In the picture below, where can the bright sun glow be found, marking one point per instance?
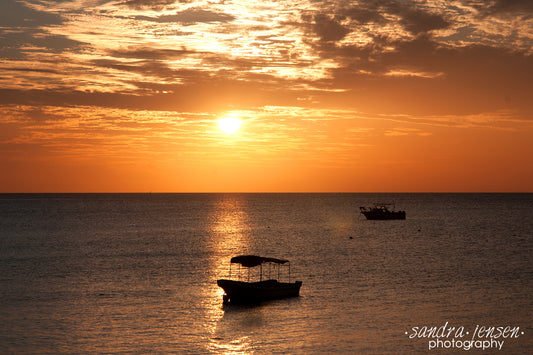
(229, 124)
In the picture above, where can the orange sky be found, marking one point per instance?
(348, 96)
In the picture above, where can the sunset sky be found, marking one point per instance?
(331, 96)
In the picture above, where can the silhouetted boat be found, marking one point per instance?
(381, 212)
(237, 291)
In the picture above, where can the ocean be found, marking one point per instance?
(136, 273)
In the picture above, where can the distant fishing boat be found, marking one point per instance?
(381, 212)
(237, 291)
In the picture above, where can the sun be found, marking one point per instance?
(229, 124)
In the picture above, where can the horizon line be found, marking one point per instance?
(260, 192)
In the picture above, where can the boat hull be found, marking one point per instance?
(378, 215)
(250, 292)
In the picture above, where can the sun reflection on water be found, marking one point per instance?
(231, 232)
(230, 237)
(242, 345)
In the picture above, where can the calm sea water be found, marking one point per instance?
(136, 273)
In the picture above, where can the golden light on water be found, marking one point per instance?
(230, 229)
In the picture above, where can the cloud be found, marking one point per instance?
(147, 68)
(414, 18)
(36, 70)
(196, 91)
(18, 15)
(417, 21)
(450, 79)
(151, 4)
(24, 30)
(338, 53)
(150, 53)
(506, 7)
(191, 16)
(364, 15)
(328, 28)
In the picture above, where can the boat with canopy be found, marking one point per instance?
(239, 291)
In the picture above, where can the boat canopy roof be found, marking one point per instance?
(254, 260)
